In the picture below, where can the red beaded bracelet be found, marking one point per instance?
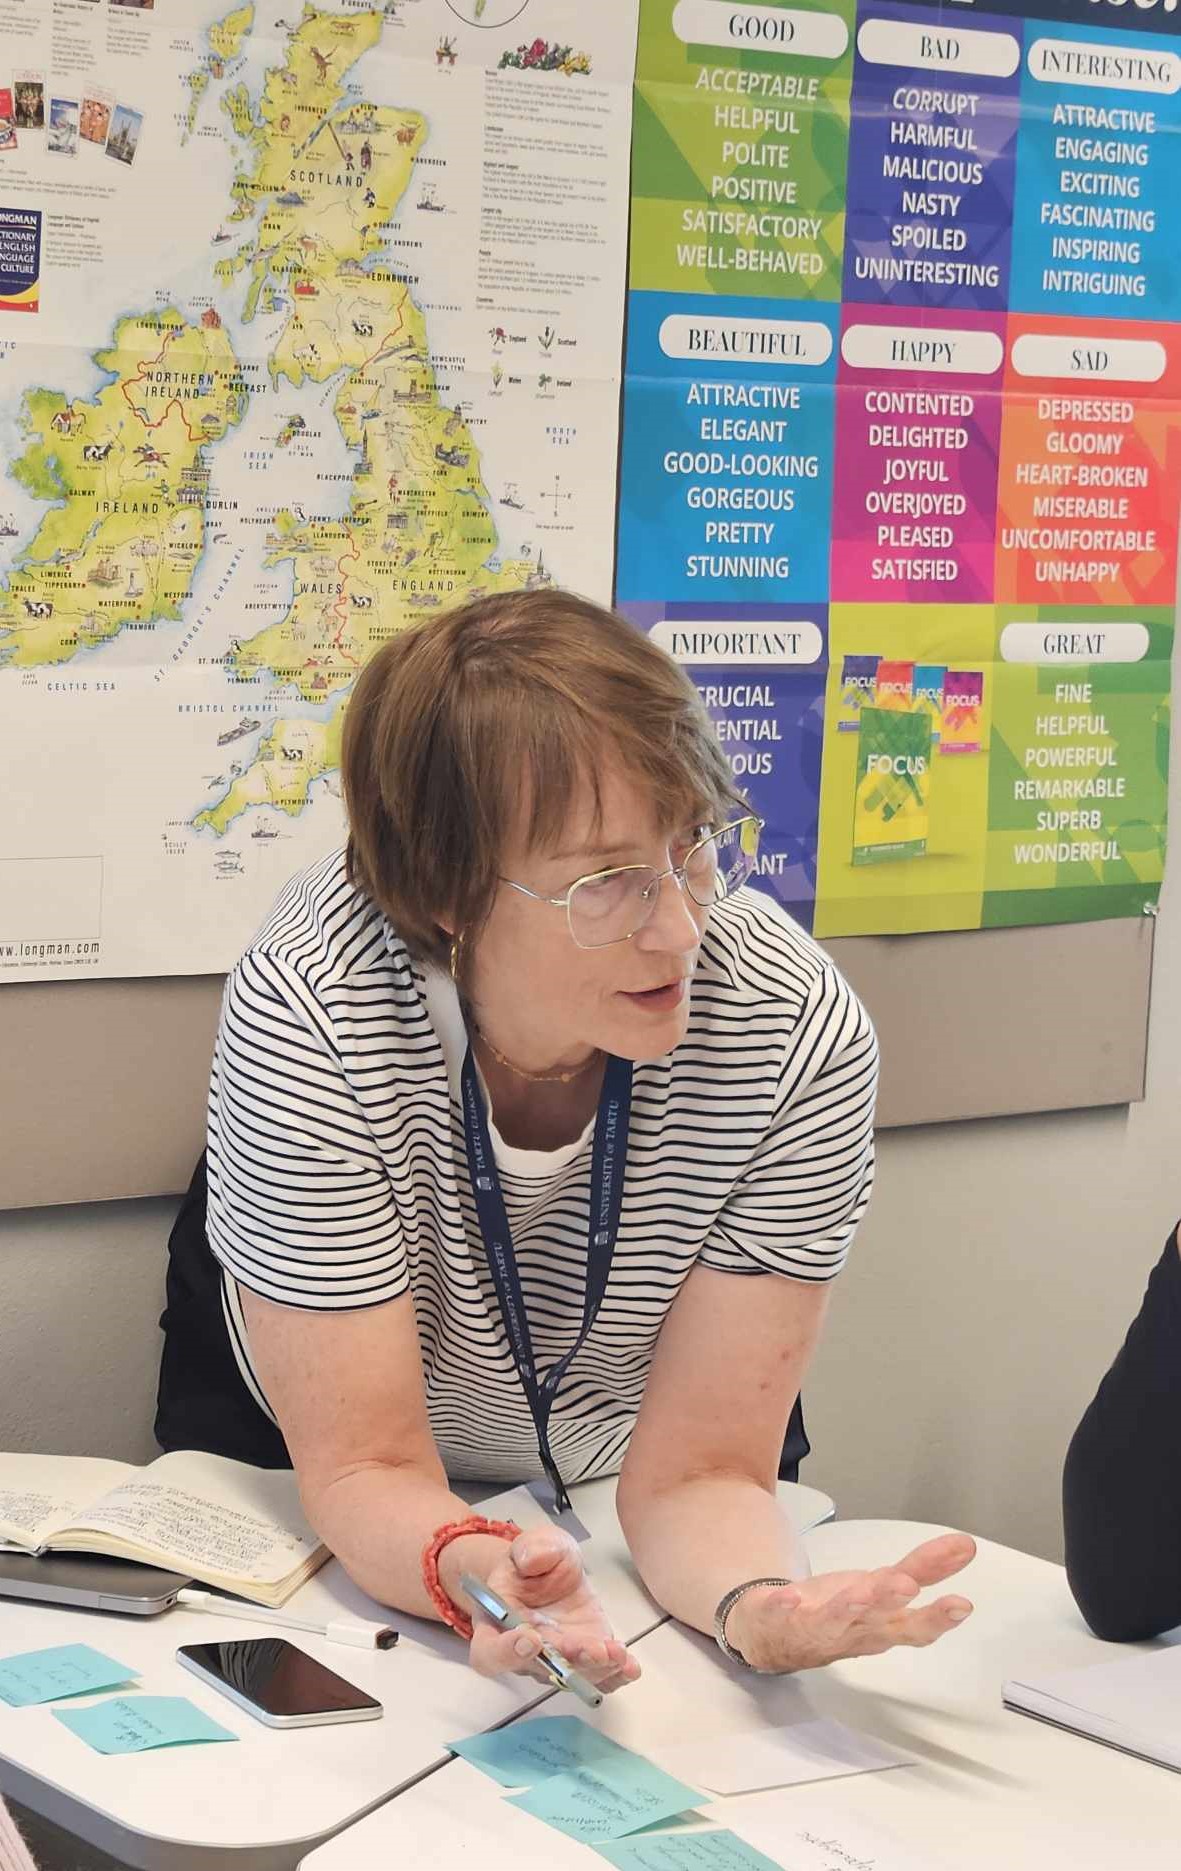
(455, 1530)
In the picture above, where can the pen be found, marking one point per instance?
(364, 1636)
(554, 1665)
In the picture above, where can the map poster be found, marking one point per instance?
(933, 563)
(329, 337)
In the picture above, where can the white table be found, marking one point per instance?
(263, 1802)
(990, 1789)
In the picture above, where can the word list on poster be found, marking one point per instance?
(1070, 740)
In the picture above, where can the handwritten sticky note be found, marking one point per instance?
(527, 1752)
(132, 1724)
(754, 1758)
(687, 1851)
(66, 1670)
(668, 1825)
(607, 1801)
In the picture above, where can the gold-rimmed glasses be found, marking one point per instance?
(613, 905)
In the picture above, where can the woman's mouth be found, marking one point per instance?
(660, 999)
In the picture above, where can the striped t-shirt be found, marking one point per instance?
(338, 1170)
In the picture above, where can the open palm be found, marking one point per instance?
(834, 1615)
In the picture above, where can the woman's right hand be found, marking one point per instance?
(541, 1575)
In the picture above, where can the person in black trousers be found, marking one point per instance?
(1121, 1489)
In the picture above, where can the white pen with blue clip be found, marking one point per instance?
(554, 1665)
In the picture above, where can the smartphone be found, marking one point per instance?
(91, 1581)
(277, 1683)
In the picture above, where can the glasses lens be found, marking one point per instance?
(722, 864)
(612, 906)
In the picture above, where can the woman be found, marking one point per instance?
(534, 1144)
(1122, 1486)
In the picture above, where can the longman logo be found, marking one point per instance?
(1142, 6)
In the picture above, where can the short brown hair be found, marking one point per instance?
(503, 705)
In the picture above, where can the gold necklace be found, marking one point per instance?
(539, 1078)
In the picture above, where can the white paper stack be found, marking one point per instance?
(1133, 1704)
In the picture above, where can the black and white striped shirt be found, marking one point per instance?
(338, 1170)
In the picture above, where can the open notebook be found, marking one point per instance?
(1133, 1703)
(238, 1528)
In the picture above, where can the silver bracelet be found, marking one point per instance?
(726, 1607)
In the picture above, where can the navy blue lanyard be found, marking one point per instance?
(608, 1162)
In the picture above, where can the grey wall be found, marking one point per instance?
(81, 1290)
(994, 1280)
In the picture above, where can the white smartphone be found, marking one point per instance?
(277, 1683)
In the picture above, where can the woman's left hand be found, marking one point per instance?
(851, 1614)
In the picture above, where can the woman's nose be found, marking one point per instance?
(672, 925)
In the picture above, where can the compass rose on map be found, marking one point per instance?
(555, 498)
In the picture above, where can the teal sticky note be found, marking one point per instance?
(668, 1825)
(131, 1724)
(686, 1851)
(607, 1801)
(526, 1752)
(66, 1670)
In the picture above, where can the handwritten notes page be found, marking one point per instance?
(827, 1840)
(41, 1493)
(227, 1523)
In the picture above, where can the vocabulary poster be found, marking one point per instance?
(902, 439)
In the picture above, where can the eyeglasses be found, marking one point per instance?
(611, 906)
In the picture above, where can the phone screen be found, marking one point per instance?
(278, 1678)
